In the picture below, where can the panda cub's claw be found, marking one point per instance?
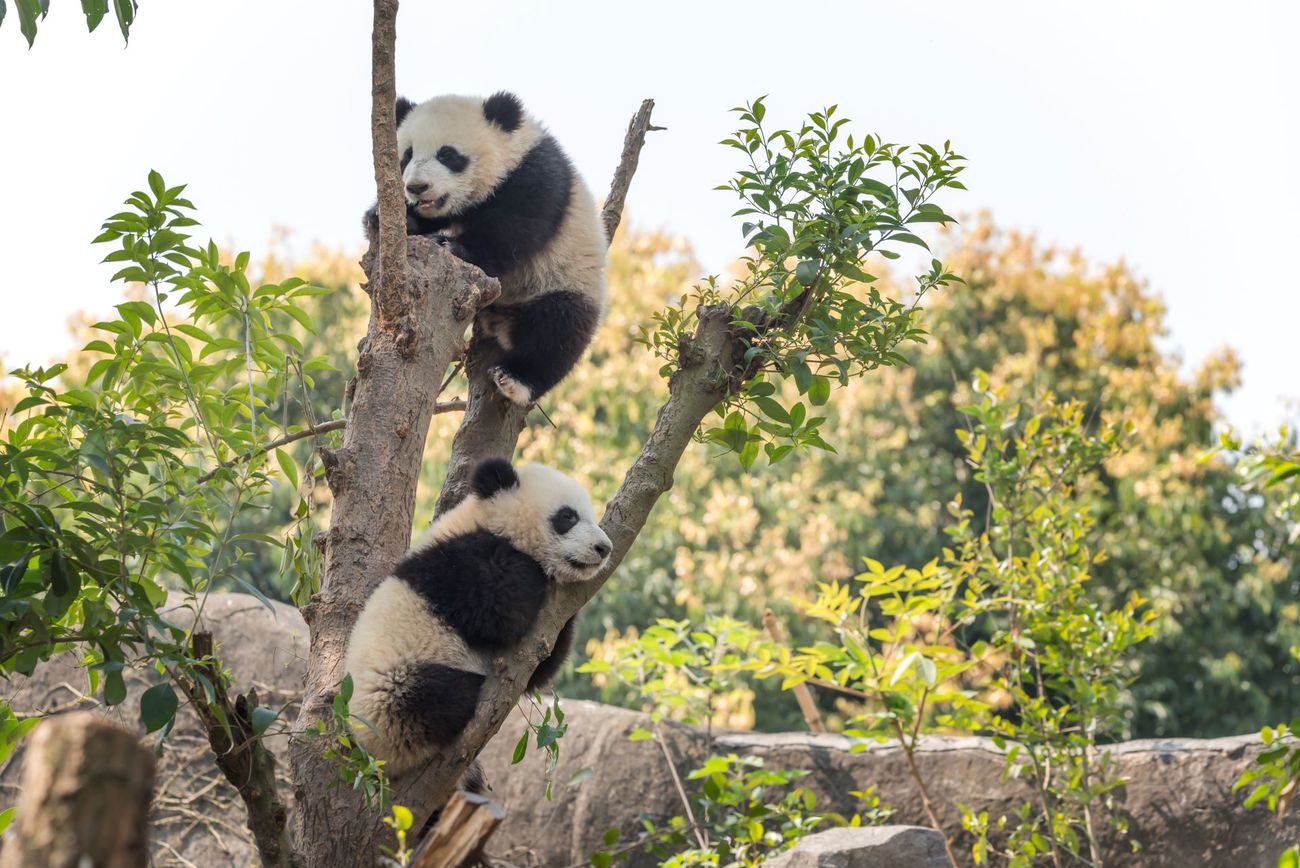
(452, 246)
(514, 390)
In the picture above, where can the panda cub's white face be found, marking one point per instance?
(547, 515)
(454, 156)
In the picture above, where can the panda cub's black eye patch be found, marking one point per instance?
(564, 519)
(406, 158)
(452, 158)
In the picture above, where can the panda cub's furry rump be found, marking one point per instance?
(471, 587)
(495, 187)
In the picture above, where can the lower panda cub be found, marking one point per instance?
(471, 587)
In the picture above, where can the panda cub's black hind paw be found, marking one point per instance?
(515, 391)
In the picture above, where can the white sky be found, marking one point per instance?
(1160, 132)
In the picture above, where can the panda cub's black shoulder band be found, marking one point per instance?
(493, 475)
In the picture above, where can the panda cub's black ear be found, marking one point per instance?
(505, 110)
(493, 475)
(404, 105)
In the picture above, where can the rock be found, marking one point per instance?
(867, 847)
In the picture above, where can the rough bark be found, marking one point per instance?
(85, 797)
(492, 425)
(423, 299)
(373, 479)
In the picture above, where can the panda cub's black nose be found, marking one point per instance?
(416, 188)
(601, 548)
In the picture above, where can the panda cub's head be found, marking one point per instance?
(542, 512)
(455, 150)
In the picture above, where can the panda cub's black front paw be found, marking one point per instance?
(454, 247)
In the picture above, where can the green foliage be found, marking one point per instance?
(815, 210)
(1064, 657)
(1276, 773)
(1215, 560)
(32, 12)
(743, 815)
(677, 671)
(129, 477)
(546, 726)
(1003, 635)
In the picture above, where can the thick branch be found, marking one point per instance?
(423, 299)
(492, 425)
(612, 214)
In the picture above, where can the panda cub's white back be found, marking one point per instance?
(471, 587)
(494, 186)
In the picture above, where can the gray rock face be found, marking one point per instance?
(1178, 799)
(869, 847)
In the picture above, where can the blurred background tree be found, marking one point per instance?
(1213, 557)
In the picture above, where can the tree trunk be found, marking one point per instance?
(85, 798)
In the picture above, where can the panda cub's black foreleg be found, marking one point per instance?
(550, 667)
(542, 340)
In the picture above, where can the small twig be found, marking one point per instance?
(681, 791)
(802, 694)
(323, 428)
(612, 214)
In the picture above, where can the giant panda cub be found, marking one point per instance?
(497, 191)
(471, 587)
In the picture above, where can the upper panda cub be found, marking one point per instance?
(472, 586)
(497, 190)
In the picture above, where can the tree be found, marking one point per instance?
(167, 442)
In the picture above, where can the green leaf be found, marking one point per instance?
(521, 749)
(640, 734)
(125, 12)
(7, 815)
(256, 593)
(157, 706)
(580, 776)
(287, 466)
(94, 10)
(114, 687)
(261, 718)
(819, 390)
(28, 12)
(806, 271)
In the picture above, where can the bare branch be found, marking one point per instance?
(612, 214)
(492, 424)
(388, 178)
(314, 430)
